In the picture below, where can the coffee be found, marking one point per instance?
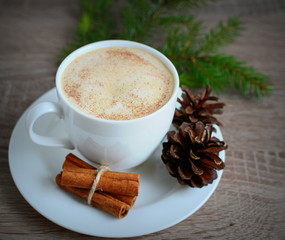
(117, 83)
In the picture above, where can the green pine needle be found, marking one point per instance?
(94, 25)
(184, 34)
(220, 36)
(186, 3)
(237, 74)
(138, 18)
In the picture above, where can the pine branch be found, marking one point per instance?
(184, 34)
(95, 22)
(220, 36)
(94, 25)
(194, 53)
(237, 74)
(222, 71)
(138, 17)
(141, 16)
(187, 3)
(200, 65)
(177, 20)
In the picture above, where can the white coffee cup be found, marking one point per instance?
(120, 144)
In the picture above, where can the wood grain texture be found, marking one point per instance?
(248, 203)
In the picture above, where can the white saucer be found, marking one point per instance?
(162, 201)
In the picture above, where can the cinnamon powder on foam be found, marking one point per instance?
(117, 83)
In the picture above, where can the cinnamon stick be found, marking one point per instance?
(130, 200)
(100, 200)
(110, 182)
(108, 174)
(74, 162)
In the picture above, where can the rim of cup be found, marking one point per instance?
(116, 43)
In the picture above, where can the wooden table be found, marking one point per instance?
(248, 203)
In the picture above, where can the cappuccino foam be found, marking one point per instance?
(117, 83)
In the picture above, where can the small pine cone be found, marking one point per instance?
(191, 154)
(195, 108)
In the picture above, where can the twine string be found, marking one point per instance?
(102, 169)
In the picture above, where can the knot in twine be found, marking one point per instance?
(102, 169)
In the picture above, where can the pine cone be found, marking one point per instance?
(191, 154)
(194, 108)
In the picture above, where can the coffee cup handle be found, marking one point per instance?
(34, 114)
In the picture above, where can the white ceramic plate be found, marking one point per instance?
(162, 201)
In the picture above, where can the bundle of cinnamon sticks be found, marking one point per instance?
(116, 192)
